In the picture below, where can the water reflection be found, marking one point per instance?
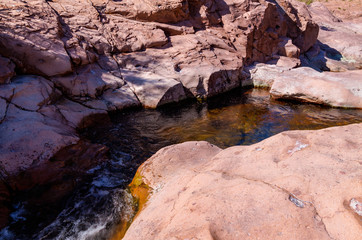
(236, 118)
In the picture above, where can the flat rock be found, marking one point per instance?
(295, 185)
(343, 89)
(340, 40)
(337, 89)
(75, 113)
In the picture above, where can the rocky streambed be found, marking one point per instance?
(67, 65)
(97, 208)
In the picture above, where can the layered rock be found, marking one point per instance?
(297, 184)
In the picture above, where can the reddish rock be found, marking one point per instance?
(301, 28)
(297, 184)
(334, 89)
(288, 49)
(29, 36)
(88, 81)
(6, 70)
(153, 90)
(339, 40)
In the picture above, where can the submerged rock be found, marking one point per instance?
(297, 184)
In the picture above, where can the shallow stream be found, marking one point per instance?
(240, 117)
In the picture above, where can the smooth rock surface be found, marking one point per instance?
(337, 89)
(295, 185)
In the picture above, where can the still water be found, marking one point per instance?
(240, 117)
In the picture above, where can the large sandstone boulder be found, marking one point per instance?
(295, 185)
(342, 89)
(337, 89)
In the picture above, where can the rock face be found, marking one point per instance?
(295, 185)
(338, 41)
(89, 57)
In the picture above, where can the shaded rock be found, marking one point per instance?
(288, 49)
(30, 92)
(75, 113)
(153, 90)
(27, 138)
(269, 190)
(3, 109)
(301, 28)
(121, 98)
(209, 80)
(6, 70)
(88, 81)
(29, 36)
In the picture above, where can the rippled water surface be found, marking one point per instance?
(236, 118)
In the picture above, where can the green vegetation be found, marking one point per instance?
(306, 1)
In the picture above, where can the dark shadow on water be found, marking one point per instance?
(239, 117)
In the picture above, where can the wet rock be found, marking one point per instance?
(6, 70)
(254, 191)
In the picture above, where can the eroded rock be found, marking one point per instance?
(271, 189)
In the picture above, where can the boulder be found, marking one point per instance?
(295, 185)
(343, 89)
(337, 89)
(301, 28)
(153, 90)
(121, 98)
